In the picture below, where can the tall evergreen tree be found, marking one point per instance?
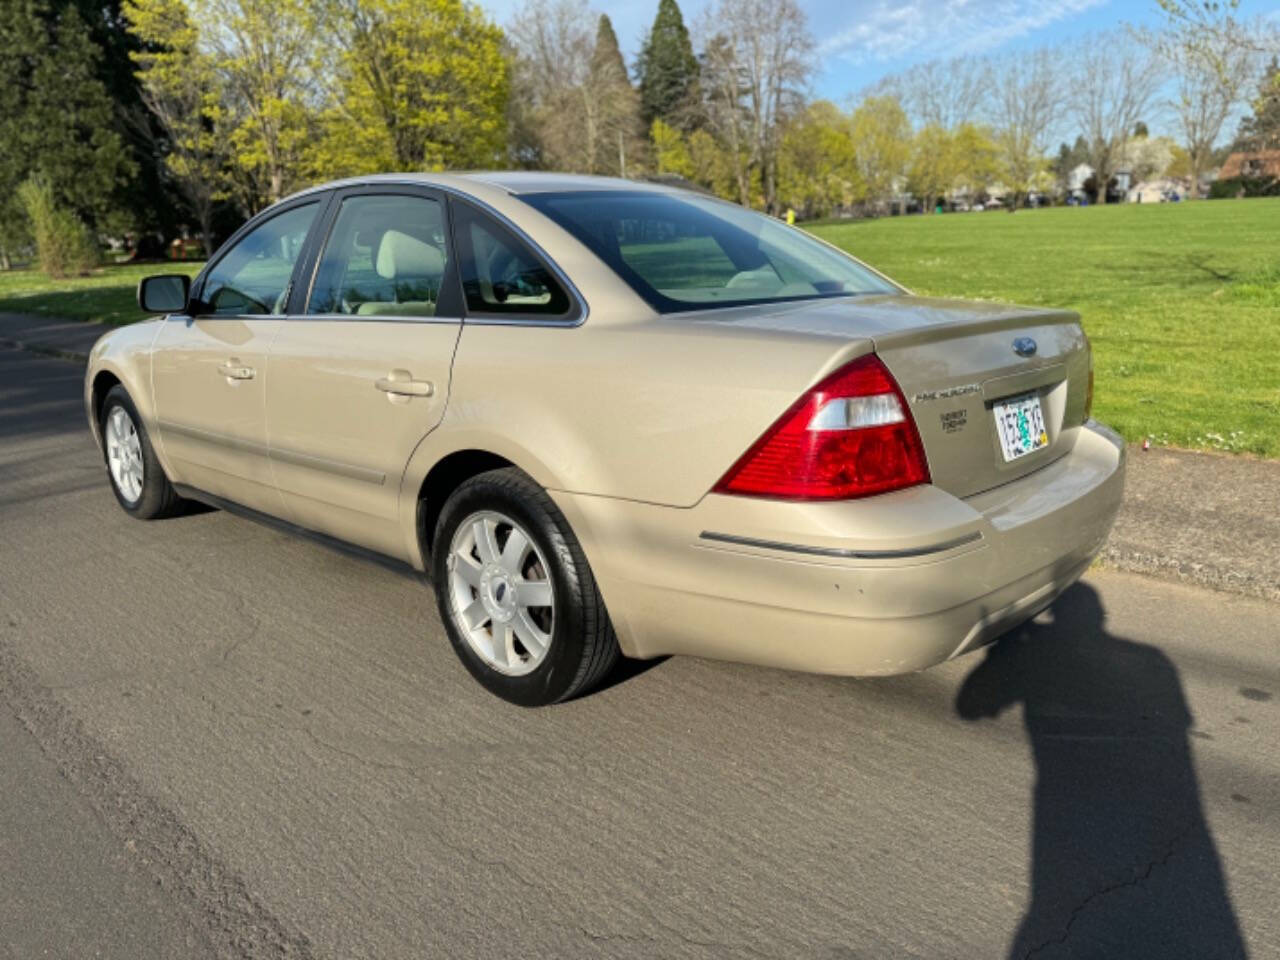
(149, 196)
(611, 107)
(667, 69)
(57, 120)
(606, 57)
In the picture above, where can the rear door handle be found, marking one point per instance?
(233, 369)
(400, 383)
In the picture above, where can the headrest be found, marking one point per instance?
(400, 255)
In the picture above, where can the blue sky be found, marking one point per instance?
(863, 40)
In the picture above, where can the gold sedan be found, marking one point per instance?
(610, 417)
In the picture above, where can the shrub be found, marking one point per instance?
(64, 245)
(1244, 187)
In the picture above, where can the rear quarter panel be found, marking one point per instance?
(650, 409)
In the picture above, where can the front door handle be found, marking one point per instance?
(233, 369)
(400, 383)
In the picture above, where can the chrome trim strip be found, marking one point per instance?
(350, 470)
(841, 553)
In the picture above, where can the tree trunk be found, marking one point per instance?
(1100, 190)
(5, 262)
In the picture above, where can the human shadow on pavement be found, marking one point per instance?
(1123, 863)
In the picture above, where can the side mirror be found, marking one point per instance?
(165, 293)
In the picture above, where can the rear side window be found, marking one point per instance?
(253, 277)
(386, 256)
(685, 252)
(500, 274)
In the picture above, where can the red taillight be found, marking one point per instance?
(849, 436)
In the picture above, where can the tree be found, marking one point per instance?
(264, 51)
(1210, 71)
(933, 165)
(666, 69)
(179, 85)
(816, 170)
(56, 119)
(670, 152)
(421, 85)
(611, 107)
(977, 159)
(1026, 100)
(941, 93)
(1114, 84)
(882, 143)
(1213, 23)
(761, 56)
(1261, 129)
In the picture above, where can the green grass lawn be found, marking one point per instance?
(108, 295)
(1181, 301)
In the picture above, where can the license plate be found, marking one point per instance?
(1020, 424)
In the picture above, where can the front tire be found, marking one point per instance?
(137, 479)
(517, 597)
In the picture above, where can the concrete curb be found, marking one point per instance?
(46, 350)
(1120, 557)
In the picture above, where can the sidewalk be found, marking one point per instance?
(1207, 519)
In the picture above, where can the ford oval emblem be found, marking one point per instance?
(1024, 347)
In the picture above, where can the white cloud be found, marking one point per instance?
(924, 29)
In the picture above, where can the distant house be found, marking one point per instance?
(1157, 191)
(1083, 173)
(1258, 165)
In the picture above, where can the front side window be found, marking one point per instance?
(253, 277)
(386, 256)
(684, 252)
(500, 274)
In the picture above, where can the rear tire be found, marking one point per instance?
(137, 479)
(516, 594)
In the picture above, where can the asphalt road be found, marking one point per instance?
(266, 748)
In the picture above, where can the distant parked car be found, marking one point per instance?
(608, 417)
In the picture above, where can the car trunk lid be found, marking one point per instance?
(956, 361)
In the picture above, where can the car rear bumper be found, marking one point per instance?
(885, 585)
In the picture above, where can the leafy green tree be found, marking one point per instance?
(667, 69)
(265, 54)
(421, 85)
(670, 152)
(56, 119)
(817, 172)
(882, 137)
(181, 87)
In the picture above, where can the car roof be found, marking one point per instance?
(514, 182)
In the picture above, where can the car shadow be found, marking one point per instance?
(1123, 863)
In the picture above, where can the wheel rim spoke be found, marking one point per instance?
(533, 639)
(533, 593)
(486, 543)
(504, 617)
(513, 551)
(501, 643)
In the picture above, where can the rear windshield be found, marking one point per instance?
(684, 252)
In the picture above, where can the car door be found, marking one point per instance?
(362, 374)
(209, 366)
